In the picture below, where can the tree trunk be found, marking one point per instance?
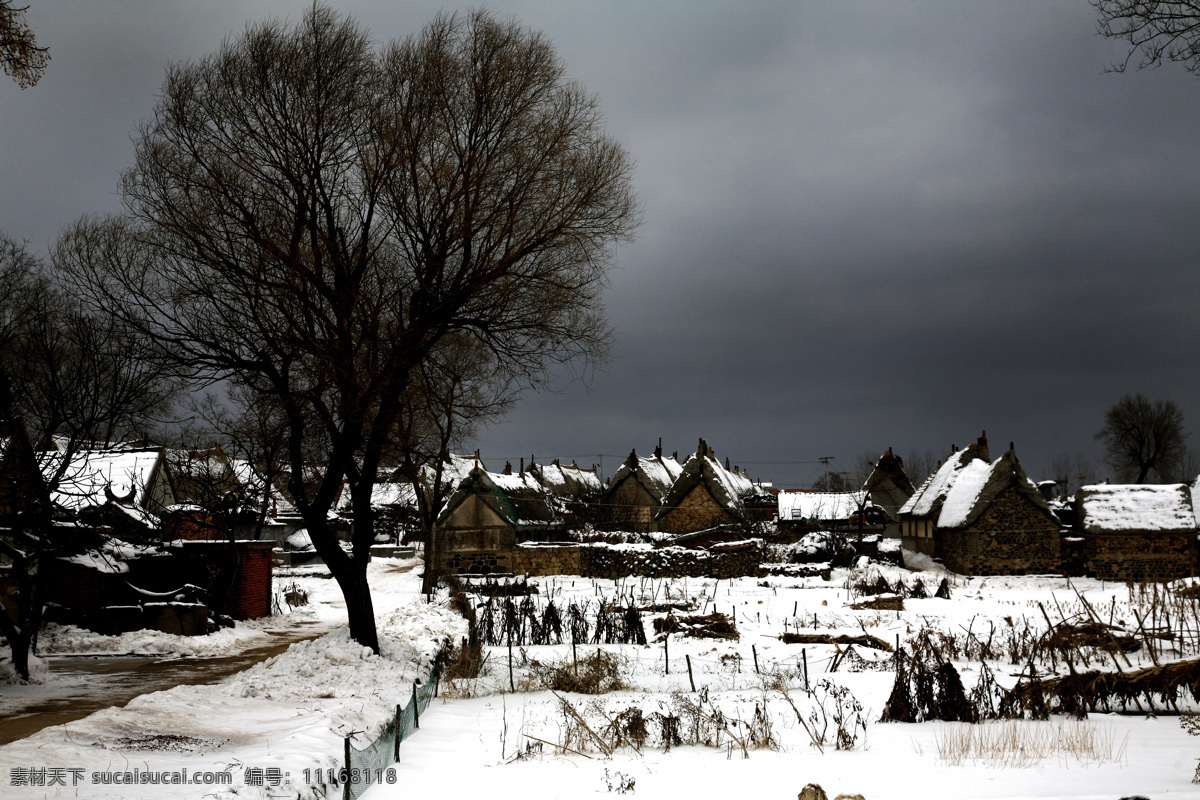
(360, 610)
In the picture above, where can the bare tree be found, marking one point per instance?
(1143, 437)
(83, 379)
(920, 465)
(23, 60)
(1158, 31)
(314, 218)
(1071, 471)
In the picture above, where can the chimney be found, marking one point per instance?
(983, 447)
(726, 463)
(675, 455)
(658, 450)
(523, 466)
(508, 468)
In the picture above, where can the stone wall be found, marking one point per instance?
(547, 559)
(697, 511)
(1012, 537)
(731, 560)
(1141, 556)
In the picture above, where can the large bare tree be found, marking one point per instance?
(313, 217)
(1156, 32)
(1143, 437)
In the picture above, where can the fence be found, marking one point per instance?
(367, 767)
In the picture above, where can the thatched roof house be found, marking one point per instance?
(705, 495)
(1138, 532)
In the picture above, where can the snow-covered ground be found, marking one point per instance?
(292, 712)
(289, 713)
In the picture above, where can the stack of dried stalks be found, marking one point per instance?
(710, 626)
(824, 638)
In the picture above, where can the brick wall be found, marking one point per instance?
(698, 510)
(1012, 537)
(1141, 556)
(239, 577)
(250, 592)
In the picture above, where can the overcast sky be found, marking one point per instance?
(866, 225)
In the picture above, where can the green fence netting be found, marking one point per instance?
(368, 766)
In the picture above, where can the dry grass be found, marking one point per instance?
(1018, 744)
(598, 672)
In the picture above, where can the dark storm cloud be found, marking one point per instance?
(866, 225)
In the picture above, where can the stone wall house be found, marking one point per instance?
(1138, 532)
(994, 521)
(918, 516)
(889, 488)
(487, 516)
(637, 490)
(705, 495)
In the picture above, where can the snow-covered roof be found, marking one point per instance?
(519, 498)
(567, 480)
(126, 474)
(819, 506)
(726, 486)
(964, 493)
(929, 497)
(656, 474)
(1116, 508)
(961, 489)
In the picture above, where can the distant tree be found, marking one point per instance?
(920, 465)
(23, 60)
(1070, 472)
(835, 482)
(1143, 438)
(312, 219)
(1158, 31)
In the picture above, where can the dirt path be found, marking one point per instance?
(92, 683)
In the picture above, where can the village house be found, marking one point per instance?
(637, 490)
(488, 515)
(889, 488)
(982, 517)
(125, 490)
(1138, 532)
(705, 495)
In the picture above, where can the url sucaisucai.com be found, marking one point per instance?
(73, 776)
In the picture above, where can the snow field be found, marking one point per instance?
(488, 738)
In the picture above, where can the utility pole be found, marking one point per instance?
(825, 460)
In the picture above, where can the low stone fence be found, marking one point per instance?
(729, 560)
